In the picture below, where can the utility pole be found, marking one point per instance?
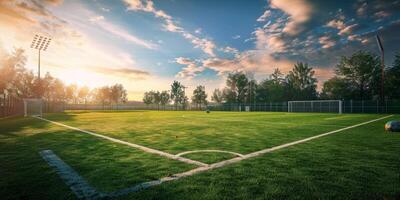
(382, 95)
(40, 43)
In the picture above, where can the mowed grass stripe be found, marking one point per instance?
(176, 132)
(105, 165)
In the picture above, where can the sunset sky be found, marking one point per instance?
(147, 44)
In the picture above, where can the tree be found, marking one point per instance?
(392, 80)
(301, 83)
(157, 98)
(237, 87)
(148, 98)
(83, 94)
(217, 96)
(178, 94)
(336, 88)
(71, 93)
(199, 96)
(11, 68)
(362, 71)
(117, 93)
(164, 98)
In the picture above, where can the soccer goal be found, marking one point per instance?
(329, 106)
(33, 107)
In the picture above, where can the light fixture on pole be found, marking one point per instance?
(382, 95)
(40, 43)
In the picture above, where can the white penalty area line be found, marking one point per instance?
(143, 148)
(149, 184)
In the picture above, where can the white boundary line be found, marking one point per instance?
(143, 148)
(177, 176)
(149, 184)
(79, 186)
(209, 150)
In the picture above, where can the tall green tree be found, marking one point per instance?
(217, 96)
(199, 97)
(392, 80)
(164, 98)
(336, 88)
(362, 71)
(118, 93)
(236, 90)
(301, 83)
(178, 94)
(148, 98)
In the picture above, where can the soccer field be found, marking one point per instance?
(195, 155)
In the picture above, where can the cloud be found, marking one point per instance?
(264, 17)
(191, 69)
(341, 26)
(96, 18)
(272, 42)
(206, 45)
(299, 12)
(254, 61)
(235, 37)
(362, 9)
(121, 33)
(121, 72)
(326, 42)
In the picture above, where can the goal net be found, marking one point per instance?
(328, 106)
(33, 107)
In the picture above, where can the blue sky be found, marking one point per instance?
(147, 44)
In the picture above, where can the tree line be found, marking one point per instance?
(17, 81)
(357, 77)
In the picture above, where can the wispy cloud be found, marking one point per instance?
(170, 25)
(122, 33)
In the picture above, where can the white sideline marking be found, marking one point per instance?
(143, 148)
(209, 150)
(76, 183)
(149, 184)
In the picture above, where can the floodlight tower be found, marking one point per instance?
(40, 43)
(382, 95)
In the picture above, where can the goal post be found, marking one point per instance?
(327, 106)
(33, 107)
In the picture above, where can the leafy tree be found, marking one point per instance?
(72, 90)
(392, 80)
(217, 96)
(336, 88)
(164, 98)
(199, 96)
(117, 93)
(83, 94)
(251, 91)
(178, 94)
(362, 71)
(301, 83)
(237, 88)
(148, 98)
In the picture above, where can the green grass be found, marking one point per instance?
(360, 163)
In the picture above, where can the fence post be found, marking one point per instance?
(362, 106)
(351, 106)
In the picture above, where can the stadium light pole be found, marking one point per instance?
(40, 43)
(378, 40)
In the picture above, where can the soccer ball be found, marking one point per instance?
(393, 126)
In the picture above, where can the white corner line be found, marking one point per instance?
(177, 176)
(143, 148)
(78, 185)
(209, 150)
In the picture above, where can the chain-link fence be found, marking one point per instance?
(11, 106)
